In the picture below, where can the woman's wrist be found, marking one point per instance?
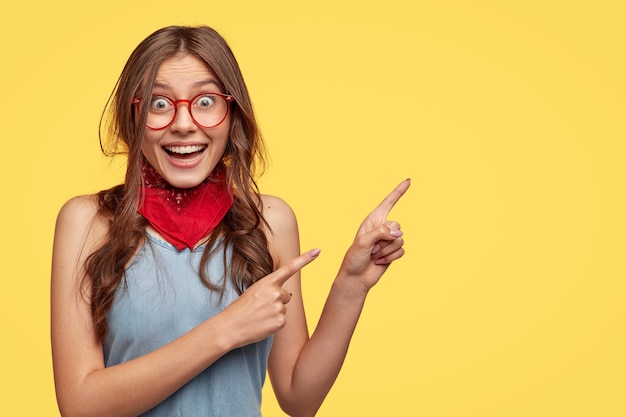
(350, 287)
(220, 333)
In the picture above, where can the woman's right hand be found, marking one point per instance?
(260, 310)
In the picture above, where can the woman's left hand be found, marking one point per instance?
(377, 244)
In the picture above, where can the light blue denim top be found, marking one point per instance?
(163, 298)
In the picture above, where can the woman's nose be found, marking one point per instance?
(183, 122)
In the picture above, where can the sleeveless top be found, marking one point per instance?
(162, 298)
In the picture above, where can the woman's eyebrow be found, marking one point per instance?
(160, 85)
(205, 82)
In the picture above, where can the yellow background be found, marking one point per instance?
(508, 116)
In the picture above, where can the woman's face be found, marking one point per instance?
(183, 153)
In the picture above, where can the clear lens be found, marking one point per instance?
(161, 112)
(207, 110)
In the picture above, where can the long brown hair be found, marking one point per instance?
(242, 229)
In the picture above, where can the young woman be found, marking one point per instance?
(174, 293)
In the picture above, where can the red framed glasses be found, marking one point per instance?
(206, 110)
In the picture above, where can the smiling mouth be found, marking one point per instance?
(187, 153)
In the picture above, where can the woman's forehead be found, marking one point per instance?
(188, 66)
(187, 71)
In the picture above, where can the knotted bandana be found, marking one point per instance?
(183, 216)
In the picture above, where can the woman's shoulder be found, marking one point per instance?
(276, 209)
(278, 214)
(283, 236)
(80, 207)
(81, 214)
(272, 201)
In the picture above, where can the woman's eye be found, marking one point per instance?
(159, 103)
(207, 100)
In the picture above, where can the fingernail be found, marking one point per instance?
(315, 252)
(376, 249)
(396, 233)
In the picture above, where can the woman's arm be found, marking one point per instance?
(84, 386)
(303, 369)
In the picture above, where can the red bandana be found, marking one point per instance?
(183, 216)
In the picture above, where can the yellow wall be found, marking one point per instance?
(508, 116)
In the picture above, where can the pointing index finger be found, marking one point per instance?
(387, 204)
(282, 274)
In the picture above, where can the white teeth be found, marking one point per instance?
(185, 149)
